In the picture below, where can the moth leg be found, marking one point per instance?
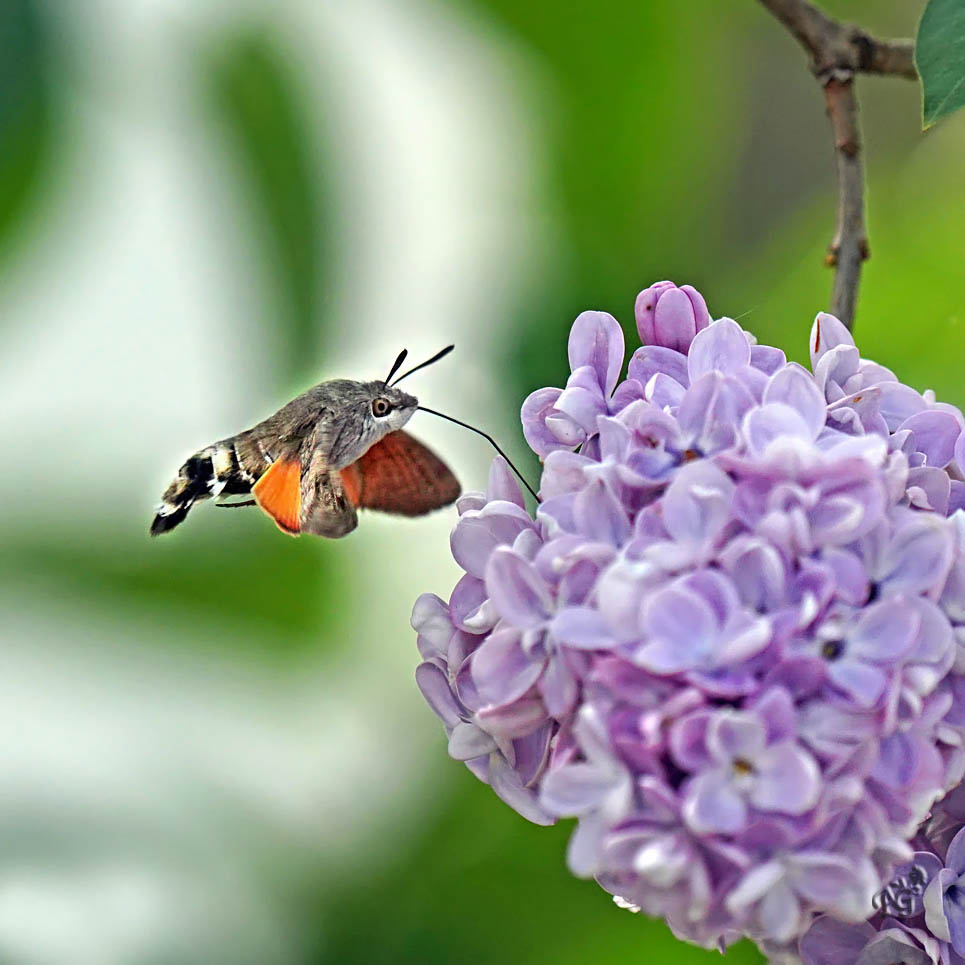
(326, 509)
(246, 502)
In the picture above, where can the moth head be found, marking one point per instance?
(390, 408)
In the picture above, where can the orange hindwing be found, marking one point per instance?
(279, 493)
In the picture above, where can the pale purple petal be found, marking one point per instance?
(565, 472)
(472, 543)
(517, 590)
(919, 556)
(674, 322)
(834, 369)
(955, 913)
(559, 687)
(596, 339)
(767, 359)
(501, 670)
(745, 638)
(582, 627)
(861, 681)
(680, 617)
(565, 430)
(434, 685)
(697, 504)
(670, 316)
(827, 333)
(795, 387)
(929, 488)
(507, 784)
(506, 722)
(776, 708)
(733, 734)
(787, 779)
(651, 360)
(832, 942)
(586, 843)
(721, 347)
(898, 403)
(935, 435)
(430, 619)
(467, 741)
(537, 407)
(894, 948)
(688, 740)
(626, 393)
(468, 606)
(884, 632)
(663, 391)
(644, 308)
(934, 903)
(757, 570)
(711, 412)
(821, 877)
(955, 856)
(960, 451)
(582, 399)
(711, 805)
(574, 789)
(755, 884)
(837, 520)
(503, 483)
(600, 515)
(765, 424)
(779, 914)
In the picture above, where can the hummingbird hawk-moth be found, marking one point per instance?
(335, 449)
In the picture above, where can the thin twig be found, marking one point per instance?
(837, 53)
(849, 248)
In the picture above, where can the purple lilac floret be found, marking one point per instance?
(731, 643)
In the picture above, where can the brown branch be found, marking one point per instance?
(836, 46)
(895, 57)
(849, 248)
(837, 52)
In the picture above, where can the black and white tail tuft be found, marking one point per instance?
(213, 471)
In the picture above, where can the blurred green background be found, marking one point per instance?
(213, 747)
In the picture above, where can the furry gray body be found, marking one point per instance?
(335, 418)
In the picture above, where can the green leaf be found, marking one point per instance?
(940, 58)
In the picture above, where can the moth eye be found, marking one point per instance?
(381, 407)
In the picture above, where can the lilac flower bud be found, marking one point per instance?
(731, 642)
(670, 316)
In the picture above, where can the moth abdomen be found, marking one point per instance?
(212, 471)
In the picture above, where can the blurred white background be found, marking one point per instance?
(149, 776)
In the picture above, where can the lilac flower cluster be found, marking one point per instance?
(728, 643)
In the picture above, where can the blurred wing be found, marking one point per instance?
(400, 475)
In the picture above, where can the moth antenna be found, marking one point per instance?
(487, 437)
(396, 365)
(422, 365)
